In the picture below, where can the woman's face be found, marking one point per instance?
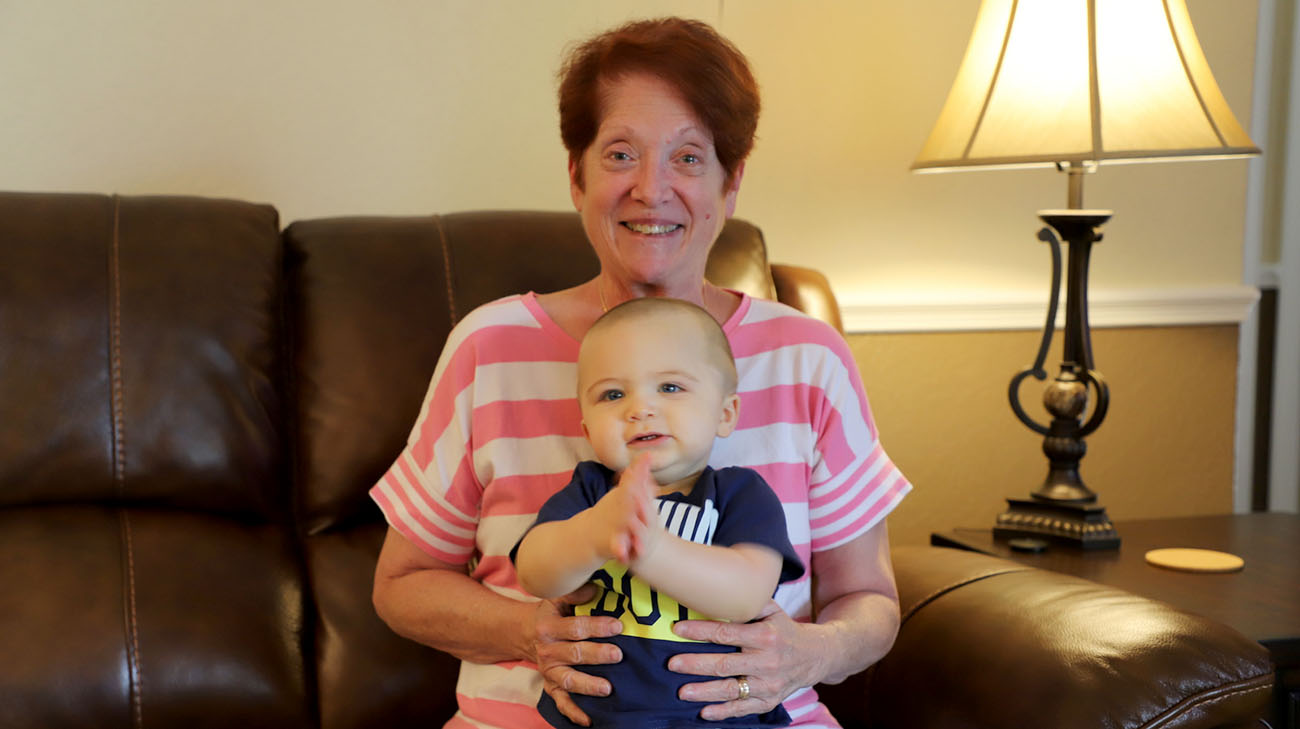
(654, 196)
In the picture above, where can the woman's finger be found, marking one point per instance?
(555, 623)
(769, 660)
(566, 678)
(580, 628)
(710, 631)
(724, 698)
(564, 702)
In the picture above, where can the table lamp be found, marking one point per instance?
(1076, 84)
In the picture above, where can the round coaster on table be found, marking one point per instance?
(1195, 560)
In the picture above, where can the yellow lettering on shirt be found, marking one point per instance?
(644, 612)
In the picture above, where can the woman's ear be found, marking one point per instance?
(575, 184)
(730, 415)
(733, 190)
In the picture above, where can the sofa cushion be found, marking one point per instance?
(141, 352)
(144, 617)
(368, 675)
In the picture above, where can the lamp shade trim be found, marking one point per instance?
(1055, 81)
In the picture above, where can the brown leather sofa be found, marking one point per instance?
(194, 403)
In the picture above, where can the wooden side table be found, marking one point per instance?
(1261, 601)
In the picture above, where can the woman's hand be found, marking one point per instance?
(776, 658)
(856, 604)
(562, 642)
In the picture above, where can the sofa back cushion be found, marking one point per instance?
(372, 301)
(139, 352)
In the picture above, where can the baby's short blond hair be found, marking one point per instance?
(718, 346)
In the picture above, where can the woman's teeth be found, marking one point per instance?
(651, 229)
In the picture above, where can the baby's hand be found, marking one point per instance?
(626, 514)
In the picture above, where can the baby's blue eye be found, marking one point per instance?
(670, 387)
(611, 395)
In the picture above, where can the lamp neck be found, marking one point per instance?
(1075, 172)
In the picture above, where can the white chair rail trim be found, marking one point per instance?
(1004, 311)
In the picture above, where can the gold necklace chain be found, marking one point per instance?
(604, 308)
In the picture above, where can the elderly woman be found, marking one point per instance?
(658, 118)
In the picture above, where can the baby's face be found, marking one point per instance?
(648, 385)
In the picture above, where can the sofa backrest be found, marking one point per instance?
(140, 356)
(373, 299)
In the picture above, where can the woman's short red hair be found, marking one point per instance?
(710, 73)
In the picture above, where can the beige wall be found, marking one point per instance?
(940, 402)
(327, 107)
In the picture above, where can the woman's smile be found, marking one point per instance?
(651, 176)
(652, 228)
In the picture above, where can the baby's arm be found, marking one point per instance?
(729, 582)
(732, 583)
(558, 557)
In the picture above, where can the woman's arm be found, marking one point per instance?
(856, 619)
(437, 604)
(855, 601)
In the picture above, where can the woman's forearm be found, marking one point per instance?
(852, 633)
(440, 606)
(855, 605)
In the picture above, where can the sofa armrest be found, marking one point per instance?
(989, 643)
(807, 290)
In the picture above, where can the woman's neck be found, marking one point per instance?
(575, 309)
(612, 294)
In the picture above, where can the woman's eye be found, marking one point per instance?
(620, 156)
(691, 159)
(670, 387)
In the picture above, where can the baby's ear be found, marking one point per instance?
(730, 415)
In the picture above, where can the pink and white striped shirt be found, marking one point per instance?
(500, 432)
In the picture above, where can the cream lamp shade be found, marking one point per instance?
(1045, 82)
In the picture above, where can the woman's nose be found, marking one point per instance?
(652, 185)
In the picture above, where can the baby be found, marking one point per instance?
(664, 536)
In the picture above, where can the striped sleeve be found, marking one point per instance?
(432, 494)
(811, 386)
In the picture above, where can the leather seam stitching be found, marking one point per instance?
(117, 400)
(1243, 686)
(132, 622)
(446, 267)
(940, 591)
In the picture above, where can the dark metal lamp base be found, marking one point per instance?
(1084, 526)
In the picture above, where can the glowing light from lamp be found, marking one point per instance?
(1050, 81)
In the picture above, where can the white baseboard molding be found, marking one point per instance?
(999, 311)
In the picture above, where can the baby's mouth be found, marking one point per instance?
(646, 438)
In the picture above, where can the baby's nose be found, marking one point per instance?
(639, 408)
